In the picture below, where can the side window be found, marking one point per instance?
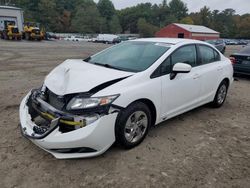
(208, 55)
(163, 69)
(216, 56)
(186, 54)
(166, 67)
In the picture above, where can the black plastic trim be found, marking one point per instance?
(38, 137)
(74, 150)
(104, 85)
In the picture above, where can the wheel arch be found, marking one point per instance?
(226, 80)
(151, 107)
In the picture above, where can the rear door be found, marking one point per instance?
(211, 70)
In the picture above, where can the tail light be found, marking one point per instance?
(233, 60)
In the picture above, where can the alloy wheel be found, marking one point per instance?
(136, 126)
(222, 94)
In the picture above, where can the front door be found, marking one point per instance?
(183, 92)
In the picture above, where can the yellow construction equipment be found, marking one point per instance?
(11, 31)
(32, 31)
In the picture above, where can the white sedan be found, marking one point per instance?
(84, 106)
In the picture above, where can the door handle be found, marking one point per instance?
(196, 76)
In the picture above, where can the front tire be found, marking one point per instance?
(132, 125)
(220, 95)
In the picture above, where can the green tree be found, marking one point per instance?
(161, 12)
(224, 23)
(106, 9)
(64, 19)
(46, 14)
(129, 17)
(171, 19)
(87, 18)
(216, 21)
(164, 4)
(205, 16)
(110, 21)
(114, 25)
(187, 20)
(178, 9)
(228, 22)
(243, 27)
(146, 29)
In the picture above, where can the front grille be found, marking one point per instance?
(56, 101)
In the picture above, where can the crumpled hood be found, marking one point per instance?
(75, 76)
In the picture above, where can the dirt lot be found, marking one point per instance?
(202, 148)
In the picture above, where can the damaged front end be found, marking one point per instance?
(65, 117)
(68, 126)
(49, 111)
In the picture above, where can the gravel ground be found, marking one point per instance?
(202, 148)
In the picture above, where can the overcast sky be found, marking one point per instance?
(241, 6)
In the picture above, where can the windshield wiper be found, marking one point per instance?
(107, 66)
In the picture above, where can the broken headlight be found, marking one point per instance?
(79, 102)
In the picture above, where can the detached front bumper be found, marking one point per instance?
(89, 141)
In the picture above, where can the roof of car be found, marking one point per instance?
(168, 40)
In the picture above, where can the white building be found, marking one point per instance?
(9, 13)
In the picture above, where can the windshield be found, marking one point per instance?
(130, 56)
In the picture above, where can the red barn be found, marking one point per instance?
(198, 32)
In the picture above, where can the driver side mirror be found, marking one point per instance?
(180, 68)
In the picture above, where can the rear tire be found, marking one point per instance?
(132, 125)
(220, 95)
